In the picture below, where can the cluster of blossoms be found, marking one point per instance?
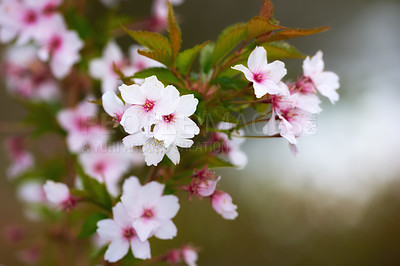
(292, 103)
(155, 117)
(39, 21)
(27, 77)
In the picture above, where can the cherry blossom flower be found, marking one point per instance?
(294, 121)
(59, 194)
(108, 165)
(121, 235)
(152, 212)
(61, 47)
(266, 78)
(82, 130)
(113, 105)
(154, 149)
(27, 77)
(168, 125)
(326, 82)
(229, 149)
(22, 160)
(149, 101)
(222, 204)
(203, 183)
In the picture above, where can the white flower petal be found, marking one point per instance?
(247, 73)
(257, 60)
(167, 207)
(167, 230)
(140, 250)
(132, 94)
(117, 250)
(108, 230)
(112, 104)
(173, 154)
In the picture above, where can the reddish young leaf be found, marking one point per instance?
(175, 37)
(290, 34)
(267, 9)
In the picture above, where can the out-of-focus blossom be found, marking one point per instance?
(103, 68)
(31, 192)
(229, 149)
(59, 195)
(190, 255)
(22, 160)
(60, 47)
(29, 256)
(187, 254)
(109, 164)
(122, 235)
(27, 19)
(152, 212)
(266, 78)
(222, 204)
(326, 82)
(82, 127)
(27, 77)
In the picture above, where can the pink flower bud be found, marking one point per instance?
(222, 204)
(189, 255)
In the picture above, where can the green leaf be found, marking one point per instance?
(159, 46)
(159, 55)
(78, 22)
(280, 50)
(163, 74)
(291, 33)
(227, 40)
(186, 58)
(42, 117)
(258, 26)
(228, 83)
(205, 57)
(200, 113)
(94, 191)
(175, 36)
(89, 226)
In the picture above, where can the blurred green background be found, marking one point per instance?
(338, 203)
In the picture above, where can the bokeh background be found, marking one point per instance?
(338, 203)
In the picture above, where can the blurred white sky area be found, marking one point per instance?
(357, 146)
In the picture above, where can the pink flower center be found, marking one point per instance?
(99, 168)
(169, 118)
(258, 77)
(140, 66)
(49, 9)
(147, 213)
(68, 204)
(305, 85)
(55, 43)
(148, 105)
(30, 17)
(129, 233)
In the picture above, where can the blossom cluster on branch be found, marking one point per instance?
(137, 128)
